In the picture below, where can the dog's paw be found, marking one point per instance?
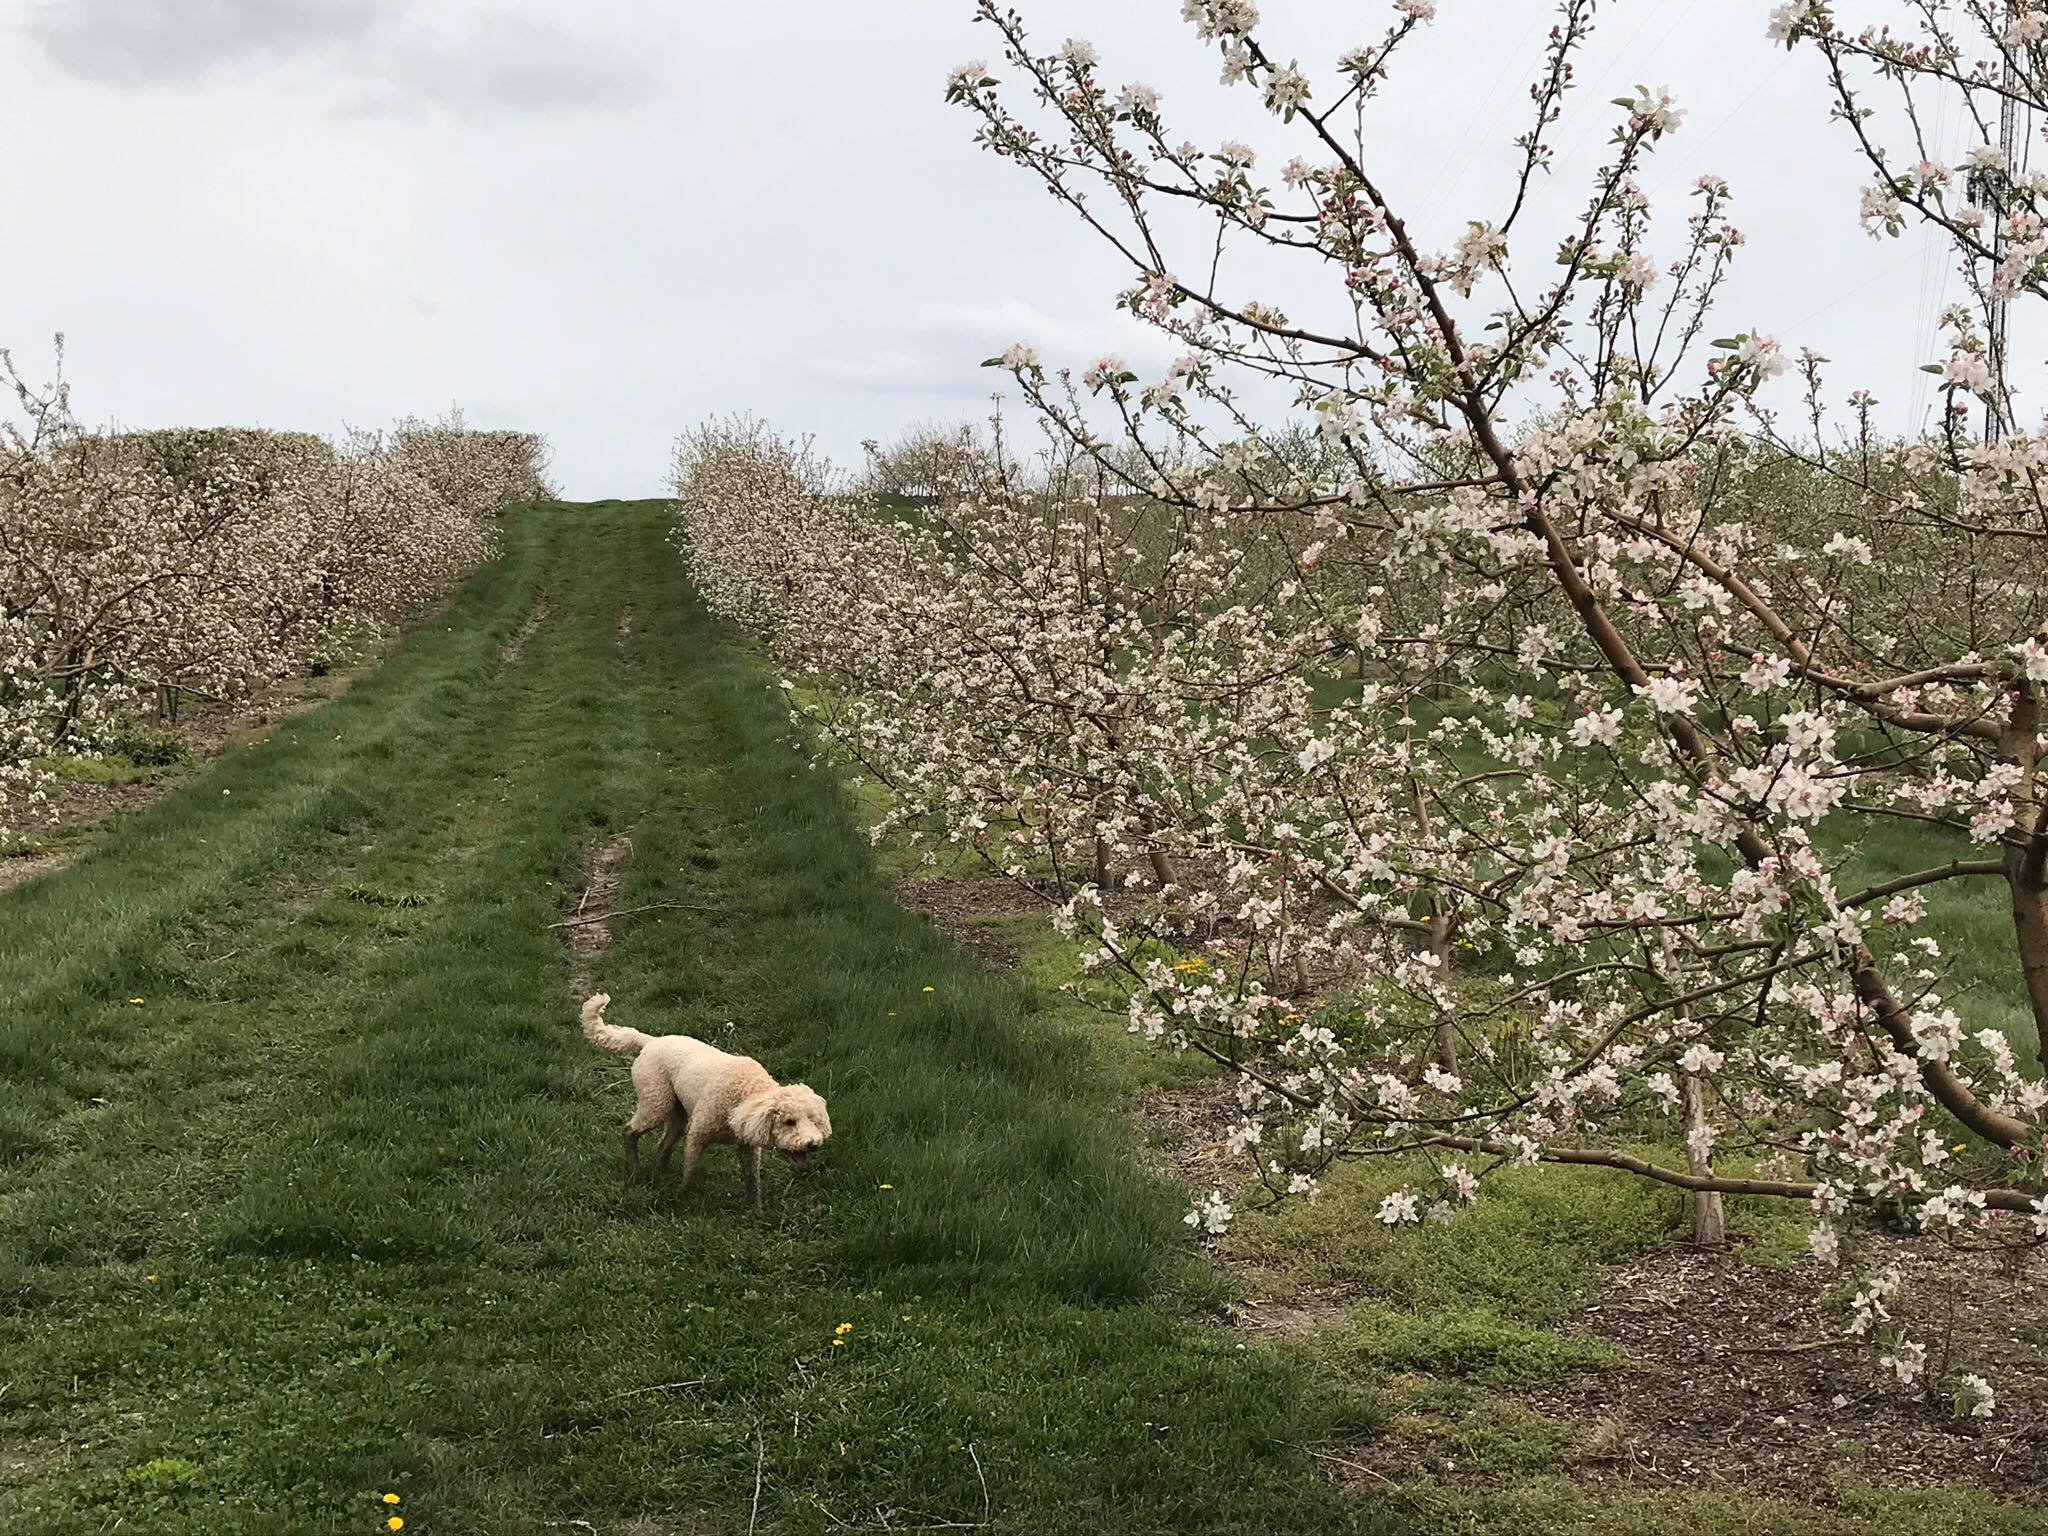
(600, 1001)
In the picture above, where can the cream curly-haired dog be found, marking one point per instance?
(706, 1095)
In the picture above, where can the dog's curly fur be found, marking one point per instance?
(704, 1095)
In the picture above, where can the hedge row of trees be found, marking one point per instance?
(140, 568)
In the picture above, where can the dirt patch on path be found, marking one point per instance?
(587, 927)
(1735, 1379)
(514, 648)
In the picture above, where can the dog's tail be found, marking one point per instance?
(609, 1037)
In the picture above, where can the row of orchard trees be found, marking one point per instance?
(140, 567)
(1492, 764)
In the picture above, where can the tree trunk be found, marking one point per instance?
(1440, 947)
(1709, 1220)
(2030, 930)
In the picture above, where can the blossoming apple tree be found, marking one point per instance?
(1507, 775)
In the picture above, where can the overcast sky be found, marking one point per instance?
(609, 222)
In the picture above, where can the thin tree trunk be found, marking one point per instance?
(1709, 1220)
(1440, 947)
(1105, 877)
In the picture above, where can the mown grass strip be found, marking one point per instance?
(353, 1222)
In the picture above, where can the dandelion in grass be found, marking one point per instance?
(395, 1523)
(391, 1498)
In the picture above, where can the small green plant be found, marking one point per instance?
(166, 1474)
(146, 744)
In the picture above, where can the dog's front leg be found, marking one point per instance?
(750, 1172)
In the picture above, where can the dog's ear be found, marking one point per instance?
(752, 1118)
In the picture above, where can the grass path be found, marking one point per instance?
(309, 1187)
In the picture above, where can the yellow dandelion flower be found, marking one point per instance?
(390, 1498)
(843, 1329)
(136, 1001)
(888, 1186)
(838, 1343)
(931, 989)
(1962, 1146)
(150, 1278)
(395, 1523)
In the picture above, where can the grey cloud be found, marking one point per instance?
(381, 59)
(503, 63)
(169, 42)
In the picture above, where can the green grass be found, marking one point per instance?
(335, 1209)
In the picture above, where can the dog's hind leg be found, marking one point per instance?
(632, 1140)
(656, 1102)
(678, 1121)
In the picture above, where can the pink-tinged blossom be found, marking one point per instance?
(1670, 695)
(1400, 1208)
(1764, 355)
(1787, 20)
(1211, 1214)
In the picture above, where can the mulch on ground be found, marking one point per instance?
(960, 910)
(1738, 1378)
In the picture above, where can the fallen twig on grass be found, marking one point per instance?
(652, 906)
(760, 1455)
(925, 1524)
(1794, 1349)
